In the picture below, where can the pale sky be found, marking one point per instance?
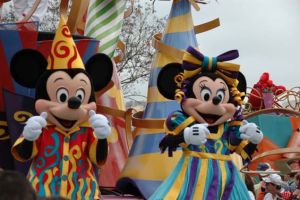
(266, 33)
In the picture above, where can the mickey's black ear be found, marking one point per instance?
(27, 66)
(165, 80)
(242, 86)
(100, 69)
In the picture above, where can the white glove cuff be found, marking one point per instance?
(186, 135)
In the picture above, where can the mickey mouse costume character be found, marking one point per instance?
(209, 128)
(68, 136)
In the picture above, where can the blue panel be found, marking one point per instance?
(276, 128)
(153, 76)
(90, 50)
(12, 43)
(147, 143)
(160, 109)
(181, 40)
(181, 8)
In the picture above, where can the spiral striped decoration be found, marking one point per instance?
(104, 22)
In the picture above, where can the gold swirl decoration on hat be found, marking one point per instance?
(64, 53)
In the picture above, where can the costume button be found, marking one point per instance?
(66, 158)
(64, 177)
(67, 139)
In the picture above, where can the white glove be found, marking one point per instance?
(34, 125)
(196, 134)
(249, 131)
(100, 125)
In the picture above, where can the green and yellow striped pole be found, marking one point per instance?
(104, 22)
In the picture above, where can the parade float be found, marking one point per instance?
(135, 165)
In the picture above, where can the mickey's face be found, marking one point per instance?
(68, 102)
(210, 101)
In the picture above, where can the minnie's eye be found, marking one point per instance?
(221, 95)
(80, 94)
(205, 94)
(62, 95)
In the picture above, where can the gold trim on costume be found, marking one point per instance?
(218, 135)
(206, 155)
(181, 126)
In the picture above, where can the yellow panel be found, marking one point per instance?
(181, 23)
(155, 96)
(117, 95)
(163, 59)
(151, 171)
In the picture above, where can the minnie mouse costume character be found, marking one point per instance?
(68, 136)
(209, 128)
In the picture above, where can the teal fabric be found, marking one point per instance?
(276, 128)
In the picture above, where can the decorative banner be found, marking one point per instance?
(104, 22)
(146, 167)
(13, 38)
(18, 109)
(6, 159)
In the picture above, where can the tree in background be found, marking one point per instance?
(9, 16)
(137, 33)
(51, 19)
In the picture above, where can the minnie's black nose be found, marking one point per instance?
(216, 100)
(74, 103)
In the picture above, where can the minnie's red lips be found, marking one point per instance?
(66, 123)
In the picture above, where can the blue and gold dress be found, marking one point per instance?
(206, 171)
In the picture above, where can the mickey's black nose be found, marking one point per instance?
(74, 103)
(216, 100)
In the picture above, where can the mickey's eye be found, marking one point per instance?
(221, 95)
(62, 95)
(205, 94)
(80, 94)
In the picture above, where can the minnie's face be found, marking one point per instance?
(211, 101)
(69, 104)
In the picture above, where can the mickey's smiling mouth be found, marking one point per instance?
(66, 123)
(209, 118)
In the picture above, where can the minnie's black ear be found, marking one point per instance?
(100, 69)
(27, 66)
(242, 86)
(165, 81)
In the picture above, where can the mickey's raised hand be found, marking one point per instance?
(34, 126)
(100, 125)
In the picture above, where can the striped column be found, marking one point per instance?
(104, 22)
(146, 167)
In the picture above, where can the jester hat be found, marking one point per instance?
(64, 53)
(28, 65)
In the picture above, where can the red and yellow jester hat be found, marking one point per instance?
(64, 53)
